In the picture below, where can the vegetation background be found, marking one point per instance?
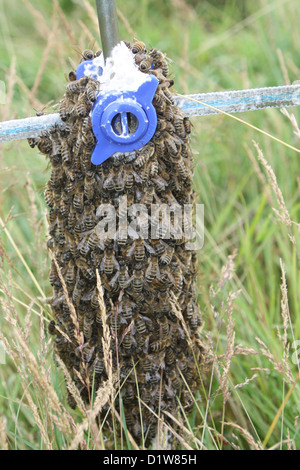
(249, 281)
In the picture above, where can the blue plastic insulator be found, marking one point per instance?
(124, 121)
(94, 70)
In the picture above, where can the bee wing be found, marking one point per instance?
(149, 248)
(114, 279)
(132, 233)
(131, 250)
(128, 282)
(108, 181)
(116, 264)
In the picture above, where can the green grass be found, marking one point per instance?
(214, 45)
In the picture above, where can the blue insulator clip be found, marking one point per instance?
(123, 121)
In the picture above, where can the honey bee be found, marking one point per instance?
(64, 110)
(181, 168)
(159, 102)
(137, 249)
(81, 109)
(170, 144)
(78, 200)
(48, 195)
(154, 168)
(178, 276)
(91, 91)
(166, 257)
(53, 277)
(174, 378)
(140, 325)
(146, 393)
(44, 143)
(90, 217)
(164, 327)
(70, 274)
(122, 276)
(164, 301)
(168, 114)
(138, 278)
(88, 325)
(72, 76)
(169, 97)
(159, 61)
(77, 86)
(52, 328)
(126, 309)
(146, 65)
(179, 126)
(109, 262)
(98, 365)
(115, 324)
(127, 343)
(149, 194)
(159, 247)
(157, 55)
(93, 240)
(187, 125)
(83, 247)
(144, 155)
(153, 269)
(159, 345)
(128, 176)
(88, 54)
(65, 153)
(138, 46)
(64, 209)
(170, 357)
(145, 362)
(85, 268)
(61, 224)
(160, 183)
(190, 310)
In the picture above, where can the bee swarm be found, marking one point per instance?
(140, 278)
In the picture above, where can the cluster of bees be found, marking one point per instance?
(140, 277)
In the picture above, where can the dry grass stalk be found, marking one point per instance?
(293, 121)
(279, 366)
(3, 436)
(41, 25)
(284, 70)
(91, 13)
(78, 335)
(285, 313)
(177, 311)
(168, 427)
(260, 175)
(106, 340)
(249, 438)
(72, 387)
(11, 81)
(102, 397)
(87, 32)
(50, 43)
(126, 23)
(283, 213)
(20, 352)
(67, 26)
(229, 354)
